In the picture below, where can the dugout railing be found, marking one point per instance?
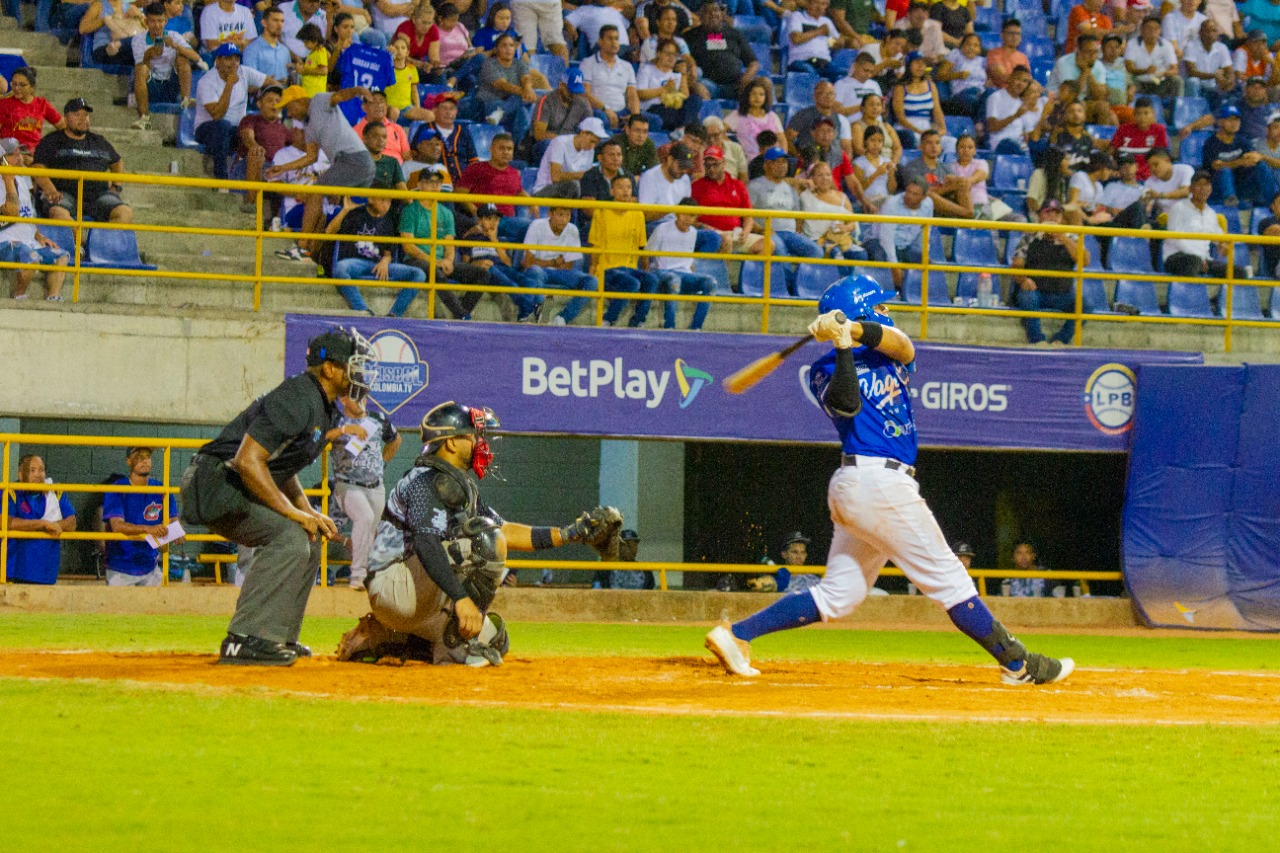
(260, 240)
(12, 445)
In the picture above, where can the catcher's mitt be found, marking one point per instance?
(599, 528)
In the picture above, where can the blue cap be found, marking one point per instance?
(775, 153)
(573, 82)
(226, 49)
(1228, 111)
(426, 132)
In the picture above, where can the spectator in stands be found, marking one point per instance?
(1050, 180)
(1253, 59)
(375, 112)
(675, 274)
(492, 258)
(800, 127)
(534, 19)
(620, 268)
(810, 34)
(1239, 176)
(949, 193)
(1086, 19)
(772, 191)
(1169, 182)
(873, 116)
(454, 47)
(313, 69)
(723, 53)
(1003, 59)
(825, 149)
(1263, 14)
(955, 19)
(852, 89)
(876, 171)
(498, 22)
(162, 69)
(1024, 560)
(1227, 16)
(113, 24)
(918, 25)
(1191, 258)
(36, 560)
(1073, 136)
(754, 115)
(1270, 227)
(834, 237)
(735, 158)
(422, 33)
(567, 159)
(295, 15)
(1182, 25)
(459, 149)
(1085, 65)
(719, 189)
(1122, 197)
(901, 243)
(1012, 113)
(1255, 112)
(1207, 64)
(505, 87)
(597, 183)
(261, 136)
(22, 243)
(77, 148)
(133, 562)
(649, 14)
(854, 20)
(667, 29)
(1084, 192)
(975, 172)
(890, 57)
(327, 132)
(639, 154)
(561, 112)
(610, 81)
(964, 553)
(917, 106)
(404, 104)
(966, 70)
(226, 22)
(1268, 147)
(665, 90)
(23, 114)
(497, 177)
(428, 150)
(222, 99)
(268, 53)
(387, 173)
(668, 182)
(364, 258)
(591, 17)
(1140, 136)
(1053, 252)
(551, 268)
(1153, 62)
(1120, 86)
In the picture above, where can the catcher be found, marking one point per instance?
(440, 552)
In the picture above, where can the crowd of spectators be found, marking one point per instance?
(798, 105)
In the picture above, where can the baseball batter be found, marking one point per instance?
(440, 552)
(873, 497)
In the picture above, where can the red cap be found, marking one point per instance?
(713, 152)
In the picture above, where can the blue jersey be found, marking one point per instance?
(366, 66)
(34, 560)
(134, 558)
(884, 426)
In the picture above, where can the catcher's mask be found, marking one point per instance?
(352, 351)
(451, 419)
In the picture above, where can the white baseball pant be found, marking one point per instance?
(364, 507)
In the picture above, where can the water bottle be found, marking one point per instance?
(174, 167)
(986, 293)
(276, 224)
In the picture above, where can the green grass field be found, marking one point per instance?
(127, 767)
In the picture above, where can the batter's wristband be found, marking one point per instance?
(541, 538)
(872, 334)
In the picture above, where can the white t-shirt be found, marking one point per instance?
(817, 48)
(217, 25)
(561, 150)
(1181, 30)
(589, 19)
(878, 187)
(384, 23)
(1162, 56)
(210, 87)
(1184, 216)
(1090, 191)
(162, 65)
(540, 234)
(20, 232)
(1180, 179)
(1003, 105)
(609, 85)
(656, 189)
(1206, 61)
(305, 176)
(850, 91)
(977, 68)
(293, 22)
(668, 238)
(652, 77)
(1120, 195)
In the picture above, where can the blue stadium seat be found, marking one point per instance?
(1041, 69)
(1094, 248)
(987, 19)
(752, 280)
(551, 66)
(958, 125)
(1095, 297)
(114, 249)
(1232, 216)
(1186, 110)
(187, 129)
(482, 135)
(1255, 219)
(1130, 254)
(937, 251)
(882, 275)
(912, 288)
(990, 40)
(1139, 294)
(63, 236)
(1246, 303)
(908, 156)
(86, 61)
(1008, 170)
(528, 177)
(717, 269)
(813, 279)
(1037, 49)
(799, 89)
(974, 248)
(710, 108)
(11, 62)
(1102, 132)
(842, 60)
(1190, 300)
(784, 111)
(1191, 151)
(755, 28)
(764, 55)
(659, 137)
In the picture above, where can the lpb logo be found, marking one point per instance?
(401, 373)
(690, 380)
(1109, 397)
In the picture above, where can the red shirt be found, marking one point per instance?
(730, 192)
(271, 135)
(25, 122)
(1079, 17)
(418, 48)
(1130, 140)
(482, 179)
(899, 6)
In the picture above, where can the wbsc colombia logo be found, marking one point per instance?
(1109, 397)
(402, 374)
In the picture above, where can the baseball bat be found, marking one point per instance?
(757, 370)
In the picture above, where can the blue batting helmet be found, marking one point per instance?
(857, 296)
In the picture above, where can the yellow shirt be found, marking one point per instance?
(618, 230)
(315, 84)
(400, 95)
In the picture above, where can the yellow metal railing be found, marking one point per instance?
(260, 239)
(166, 446)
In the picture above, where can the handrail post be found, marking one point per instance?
(662, 579)
(324, 510)
(1230, 292)
(164, 514)
(1077, 335)
(79, 236)
(257, 262)
(4, 514)
(768, 273)
(431, 267)
(924, 281)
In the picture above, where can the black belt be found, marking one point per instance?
(850, 460)
(361, 485)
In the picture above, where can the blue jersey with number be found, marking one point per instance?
(366, 66)
(884, 426)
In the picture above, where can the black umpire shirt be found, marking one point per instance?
(290, 422)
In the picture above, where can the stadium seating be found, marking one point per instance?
(114, 249)
(813, 279)
(551, 66)
(1186, 110)
(959, 125)
(482, 137)
(1130, 254)
(1187, 299)
(912, 288)
(974, 248)
(1008, 170)
(755, 28)
(717, 269)
(1191, 150)
(1246, 303)
(799, 89)
(1095, 297)
(1101, 132)
(1140, 294)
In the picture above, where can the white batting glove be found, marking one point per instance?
(828, 328)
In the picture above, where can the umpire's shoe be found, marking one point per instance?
(255, 651)
(1038, 669)
(734, 654)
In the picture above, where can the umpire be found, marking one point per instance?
(244, 485)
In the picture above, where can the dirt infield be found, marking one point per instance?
(852, 691)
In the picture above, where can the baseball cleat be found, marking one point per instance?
(299, 649)
(1038, 669)
(734, 654)
(244, 650)
(367, 641)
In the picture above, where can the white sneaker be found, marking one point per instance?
(734, 654)
(494, 117)
(1039, 669)
(143, 122)
(558, 321)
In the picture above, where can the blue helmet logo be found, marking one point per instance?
(857, 296)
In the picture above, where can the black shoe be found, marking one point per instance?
(299, 649)
(255, 651)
